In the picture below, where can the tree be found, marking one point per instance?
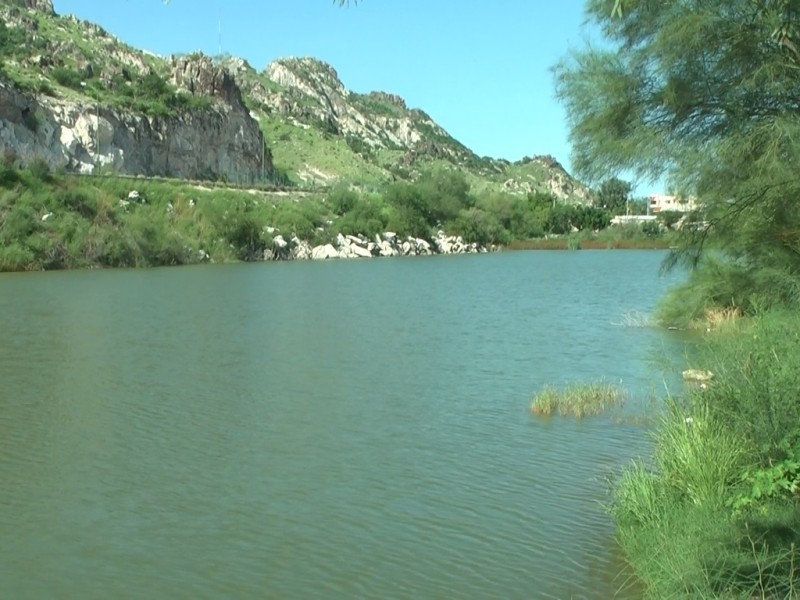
(613, 195)
(705, 93)
(446, 193)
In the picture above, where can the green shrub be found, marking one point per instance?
(756, 383)
(444, 194)
(40, 170)
(298, 218)
(9, 176)
(15, 257)
(651, 229)
(477, 226)
(405, 220)
(31, 120)
(366, 217)
(718, 282)
(12, 40)
(698, 456)
(717, 514)
(244, 234)
(77, 200)
(19, 224)
(342, 200)
(668, 218)
(67, 77)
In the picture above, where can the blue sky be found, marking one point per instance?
(481, 69)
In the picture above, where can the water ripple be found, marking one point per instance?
(348, 430)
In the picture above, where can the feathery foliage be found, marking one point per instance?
(704, 94)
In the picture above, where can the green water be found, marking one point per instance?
(319, 430)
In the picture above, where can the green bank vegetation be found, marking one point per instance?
(704, 94)
(56, 221)
(60, 221)
(716, 512)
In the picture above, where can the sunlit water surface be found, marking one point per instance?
(311, 430)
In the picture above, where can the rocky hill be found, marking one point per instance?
(78, 97)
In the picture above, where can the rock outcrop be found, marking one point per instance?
(100, 104)
(45, 6)
(308, 94)
(359, 246)
(199, 76)
(221, 142)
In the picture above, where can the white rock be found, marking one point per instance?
(324, 252)
(47, 216)
(697, 375)
(301, 251)
(360, 252)
(356, 240)
(386, 249)
(279, 242)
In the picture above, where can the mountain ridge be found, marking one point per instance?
(295, 120)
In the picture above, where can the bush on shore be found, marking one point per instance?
(716, 513)
(56, 221)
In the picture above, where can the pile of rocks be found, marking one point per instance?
(360, 246)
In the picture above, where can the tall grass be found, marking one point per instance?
(691, 520)
(577, 400)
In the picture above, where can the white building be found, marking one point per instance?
(659, 202)
(632, 219)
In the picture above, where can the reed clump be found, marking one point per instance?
(577, 400)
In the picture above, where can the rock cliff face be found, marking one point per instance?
(213, 139)
(217, 143)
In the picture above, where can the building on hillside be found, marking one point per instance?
(661, 202)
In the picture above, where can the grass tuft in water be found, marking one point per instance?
(577, 400)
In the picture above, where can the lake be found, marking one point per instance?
(352, 429)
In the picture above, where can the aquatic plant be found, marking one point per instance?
(577, 400)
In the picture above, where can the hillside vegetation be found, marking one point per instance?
(317, 131)
(57, 220)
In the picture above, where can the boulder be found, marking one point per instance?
(699, 375)
(324, 252)
(360, 252)
(386, 249)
